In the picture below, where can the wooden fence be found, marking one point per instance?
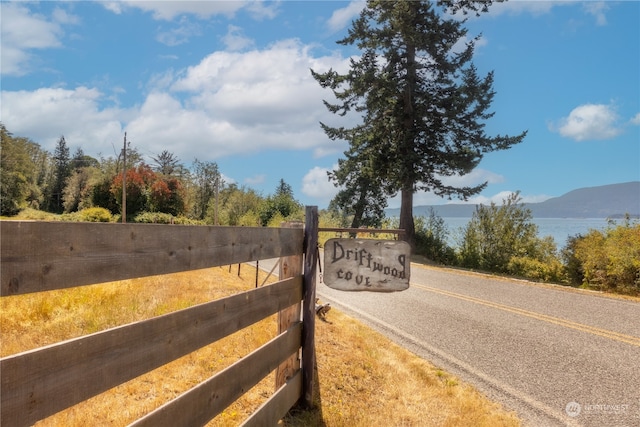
(43, 256)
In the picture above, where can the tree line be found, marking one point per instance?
(503, 239)
(162, 190)
(499, 238)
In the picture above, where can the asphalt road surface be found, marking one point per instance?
(556, 356)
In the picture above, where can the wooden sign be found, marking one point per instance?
(367, 265)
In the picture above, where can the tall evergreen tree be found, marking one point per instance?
(282, 203)
(422, 102)
(61, 171)
(167, 164)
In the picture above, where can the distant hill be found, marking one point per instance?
(607, 201)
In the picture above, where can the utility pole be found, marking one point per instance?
(215, 216)
(124, 181)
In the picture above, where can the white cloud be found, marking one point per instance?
(260, 10)
(167, 10)
(235, 40)
(597, 9)
(500, 197)
(61, 16)
(256, 179)
(461, 44)
(229, 103)
(517, 7)
(316, 184)
(635, 120)
(496, 198)
(537, 8)
(341, 18)
(589, 122)
(475, 177)
(267, 98)
(227, 179)
(47, 113)
(23, 31)
(180, 34)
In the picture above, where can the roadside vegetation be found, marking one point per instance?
(161, 189)
(502, 239)
(362, 379)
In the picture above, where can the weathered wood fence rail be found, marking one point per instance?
(39, 256)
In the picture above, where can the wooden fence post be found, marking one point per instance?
(290, 266)
(308, 304)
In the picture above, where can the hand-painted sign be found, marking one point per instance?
(367, 265)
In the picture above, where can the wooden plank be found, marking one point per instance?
(362, 230)
(203, 402)
(309, 304)
(39, 383)
(278, 405)
(39, 256)
(290, 266)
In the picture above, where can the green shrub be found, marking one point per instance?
(431, 239)
(31, 214)
(95, 215)
(154, 218)
(183, 220)
(497, 234)
(165, 218)
(572, 264)
(249, 219)
(608, 260)
(531, 268)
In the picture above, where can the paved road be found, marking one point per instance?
(557, 356)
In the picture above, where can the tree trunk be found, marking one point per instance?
(406, 216)
(358, 213)
(406, 206)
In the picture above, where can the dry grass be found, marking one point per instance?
(363, 378)
(366, 380)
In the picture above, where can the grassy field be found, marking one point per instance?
(363, 379)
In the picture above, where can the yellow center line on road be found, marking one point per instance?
(628, 339)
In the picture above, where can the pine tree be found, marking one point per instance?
(423, 104)
(61, 171)
(167, 164)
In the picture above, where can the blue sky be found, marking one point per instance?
(229, 81)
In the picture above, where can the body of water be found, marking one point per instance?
(558, 228)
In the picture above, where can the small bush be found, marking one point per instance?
(572, 264)
(154, 218)
(607, 260)
(31, 214)
(431, 239)
(249, 219)
(531, 268)
(165, 218)
(183, 220)
(497, 234)
(95, 215)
